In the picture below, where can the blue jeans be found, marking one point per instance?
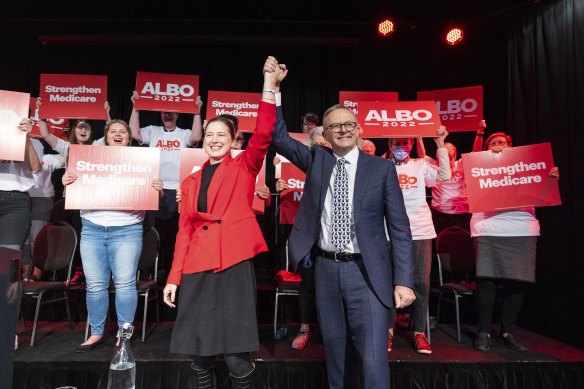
(106, 251)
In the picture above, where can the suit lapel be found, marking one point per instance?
(359, 191)
(328, 165)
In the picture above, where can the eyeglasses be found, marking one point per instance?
(336, 127)
(497, 143)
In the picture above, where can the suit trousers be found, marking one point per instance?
(354, 325)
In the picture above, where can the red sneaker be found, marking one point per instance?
(301, 340)
(422, 345)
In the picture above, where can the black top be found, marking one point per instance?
(206, 177)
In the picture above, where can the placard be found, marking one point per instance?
(460, 109)
(350, 99)
(243, 105)
(167, 92)
(13, 108)
(399, 119)
(514, 178)
(57, 127)
(73, 96)
(113, 178)
(290, 198)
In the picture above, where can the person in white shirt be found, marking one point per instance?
(111, 243)
(42, 197)
(414, 175)
(505, 244)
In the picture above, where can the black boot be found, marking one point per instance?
(204, 379)
(248, 381)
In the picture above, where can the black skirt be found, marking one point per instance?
(217, 312)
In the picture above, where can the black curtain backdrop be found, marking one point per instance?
(528, 59)
(546, 104)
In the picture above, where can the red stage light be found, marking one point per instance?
(454, 36)
(385, 27)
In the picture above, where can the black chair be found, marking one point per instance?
(53, 253)
(146, 277)
(284, 288)
(456, 269)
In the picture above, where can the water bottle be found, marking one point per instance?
(122, 373)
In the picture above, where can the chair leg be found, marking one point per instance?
(36, 318)
(87, 329)
(428, 324)
(276, 314)
(457, 317)
(438, 308)
(157, 305)
(22, 318)
(145, 315)
(68, 309)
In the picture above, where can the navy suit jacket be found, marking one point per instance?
(377, 199)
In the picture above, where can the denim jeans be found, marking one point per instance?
(106, 251)
(15, 209)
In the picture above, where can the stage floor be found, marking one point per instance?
(52, 362)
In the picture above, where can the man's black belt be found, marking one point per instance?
(340, 257)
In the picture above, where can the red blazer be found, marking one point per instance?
(228, 232)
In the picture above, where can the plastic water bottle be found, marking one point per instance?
(122, 373)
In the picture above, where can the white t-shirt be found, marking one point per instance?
(113, 218)
(43, 185)
(450, 196)
(15, 175)
(518, 222)
(62, 146)
(413, 178)
(170, 143)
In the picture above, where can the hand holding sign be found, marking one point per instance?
(442, 134)
(25, 125)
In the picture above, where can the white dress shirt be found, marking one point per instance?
(326, 219)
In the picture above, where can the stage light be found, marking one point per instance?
(454, 36)
(385, 28)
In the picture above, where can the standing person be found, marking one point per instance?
(111, 244)
(449, 204)
(42, 197)
(505, 243)
(415, 174)
(217, 238)
(349, 200)
(170, 139)
(306, 297)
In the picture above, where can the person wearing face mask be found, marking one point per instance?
(505, 243)
(414, 175)
(110, 244)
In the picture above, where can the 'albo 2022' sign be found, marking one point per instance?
(460, 109)
(167, 92)
(398, 119)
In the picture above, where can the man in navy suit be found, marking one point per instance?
(342, 222)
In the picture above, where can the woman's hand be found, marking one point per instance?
(158, 185)
(169, 295)
(281, 185)
(25, 125)
(68, 178)
(135, 96)
(178, 195)
(442, 134)
(263, 192)
(555, 172)
(277, 160)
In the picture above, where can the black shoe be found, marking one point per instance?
(246, 382)
(482, 341)
(512, 342)
(88, 347)
(204, 379)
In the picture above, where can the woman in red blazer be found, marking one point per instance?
(218, 235)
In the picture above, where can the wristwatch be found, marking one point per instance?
(271, 90)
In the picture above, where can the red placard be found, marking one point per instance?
(73, 96)
(242, 105)
(13, 108)
(113, 178)
(191, 161)
(460, 109)
(398, 119)
(514, 178)
(167, 92)
(350, 98)
(57, 127)
(290, 198)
